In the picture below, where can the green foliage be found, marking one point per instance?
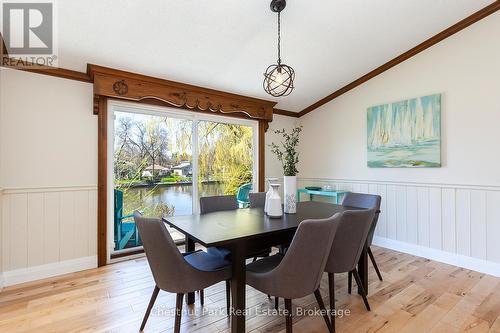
(226, 155)
(287, 152)
(175, 179)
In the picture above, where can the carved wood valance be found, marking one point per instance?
(135, 87)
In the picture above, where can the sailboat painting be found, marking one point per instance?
(405, 134)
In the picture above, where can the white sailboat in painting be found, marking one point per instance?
(405, 134)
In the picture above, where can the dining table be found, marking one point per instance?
(249, 230)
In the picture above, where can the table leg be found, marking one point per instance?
(363, 269)
(298, 196)
(189, 247)
(238, 284)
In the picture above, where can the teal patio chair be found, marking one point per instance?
(123, 231)
(242, 196)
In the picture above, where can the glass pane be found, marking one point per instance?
(153, 171)
(225, 161)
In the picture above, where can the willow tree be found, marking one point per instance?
(226, 154)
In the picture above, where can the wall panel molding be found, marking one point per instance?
(456, 224)
(46, 226)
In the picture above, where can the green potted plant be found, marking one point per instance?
(288, 155)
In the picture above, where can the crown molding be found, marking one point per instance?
(286, 113)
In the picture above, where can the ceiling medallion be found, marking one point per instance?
(278, 78)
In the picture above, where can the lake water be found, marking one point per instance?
(180, 197)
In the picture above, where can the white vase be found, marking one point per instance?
(290, 192)
(274, 209)
(269, 193)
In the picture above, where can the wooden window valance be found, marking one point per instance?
(114, 83)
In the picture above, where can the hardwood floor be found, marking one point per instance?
(417, 295)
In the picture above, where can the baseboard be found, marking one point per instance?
(49, 270)
(482, 266)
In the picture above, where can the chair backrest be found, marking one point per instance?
(299, 273)
(257, 200)
(243, 192)
(118, 204)
(368, 201)
(349, 240)
(218, 203)
(170, 271)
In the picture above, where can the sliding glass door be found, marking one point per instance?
(163, 160)
(225, 157)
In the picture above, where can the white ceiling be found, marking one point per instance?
(227, 44)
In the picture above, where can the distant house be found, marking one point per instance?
(158, 170)
(184, 169)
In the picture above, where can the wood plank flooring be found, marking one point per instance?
(417, 295)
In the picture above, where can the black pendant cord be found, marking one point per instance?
(279, 38)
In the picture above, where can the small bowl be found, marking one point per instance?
(313, 188)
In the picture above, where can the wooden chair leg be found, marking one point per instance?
(349, 282)
(288, 307)
(150, 307)
(178, 313)
(228, 297)
(321, 304)
(202, 297)
(331, 287)
(372, 258)
(276, 302)
(360, 286)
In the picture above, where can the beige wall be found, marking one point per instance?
(453, 210)
(48, 133)
(48, 150)
(465, 68)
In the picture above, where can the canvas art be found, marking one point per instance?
(405, 134)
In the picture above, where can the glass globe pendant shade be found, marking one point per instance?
(278, 80)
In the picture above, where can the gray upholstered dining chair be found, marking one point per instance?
(218, 204)
(346, 250)
(223, 203)
(174, 272)
(278, 275)
(257, 200)
(368, 201)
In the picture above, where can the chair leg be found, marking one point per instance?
(288, 307)
(319, 299)
(202, 297)
(150, 307)
(372, 258)
(331, 287)
(349, 282)
(178, 313)
(228, 297)
(363, 291)
(276, 302)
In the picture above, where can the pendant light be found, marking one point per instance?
(278, 78)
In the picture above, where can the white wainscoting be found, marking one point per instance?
(48, 231)
(457, 224)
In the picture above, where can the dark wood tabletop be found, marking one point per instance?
(222, 228)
